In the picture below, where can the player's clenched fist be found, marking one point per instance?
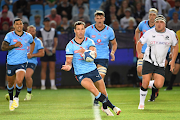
(17, 44)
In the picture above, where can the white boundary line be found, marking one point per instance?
(95, 110)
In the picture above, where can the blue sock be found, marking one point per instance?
(10, 91)
(29, 90)
(18, 89)
(140, 77)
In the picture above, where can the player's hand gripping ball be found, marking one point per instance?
(89, 55)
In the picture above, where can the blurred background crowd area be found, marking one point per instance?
(122, 15)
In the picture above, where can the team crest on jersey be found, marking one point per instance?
(80, 77)
(21, 46)
(167, 38)
(9, 71)
(99, 40)
(15, 40)
(93, 36)
(105, 36)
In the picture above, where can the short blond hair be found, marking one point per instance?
(153, 10)
(31, 26)
(99, 12)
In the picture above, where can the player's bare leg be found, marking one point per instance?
(173, 76)
(29, 82)
(143, 90)
(89, 85)
(102, 71)
(20, 74)
(10, 88)
(52, 75)
(43, 74)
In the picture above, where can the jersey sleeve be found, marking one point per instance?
(140, 26)
(30, 39)
(7, 38)
(144, 38)
(112, 35)
(40, 45)
(91, 43)
(69, 50)
(174, 39)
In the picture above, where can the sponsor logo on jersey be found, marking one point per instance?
(99, 40)
(93, 36)
(15, 40)
(167, 38)
(156, 42)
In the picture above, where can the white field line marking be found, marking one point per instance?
(95, 109)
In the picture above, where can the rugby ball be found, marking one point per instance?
(89, 55)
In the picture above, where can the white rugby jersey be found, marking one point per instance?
(157, 45)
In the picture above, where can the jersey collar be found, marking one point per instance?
(99, 30)
(149, 26)
(19, 35)
(79, 43)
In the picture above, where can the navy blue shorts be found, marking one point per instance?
(31, 65)
(12, 69)
(93, 75)
(47, 58)
(102, 62)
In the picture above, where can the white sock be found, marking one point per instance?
(142, 96)
(52, 82)
(151, 83)
(42, 82)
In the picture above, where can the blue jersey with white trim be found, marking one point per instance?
(101, 39)
(144, 26)
(79, 64)
(18, 55)
(38, 46)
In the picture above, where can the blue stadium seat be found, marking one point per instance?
(37, 9)
(47, 9)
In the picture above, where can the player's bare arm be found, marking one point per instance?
(55, 45)
(113, 50)
(68, 63)
(40, 53)
(137, 32)
(32, 45)
(174, 56)
(5, 46)
(138, 49)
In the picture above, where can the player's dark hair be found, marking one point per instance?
(17, 19)
(5, 5)
(78, 23)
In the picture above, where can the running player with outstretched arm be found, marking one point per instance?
(86, 72)
(102, 34)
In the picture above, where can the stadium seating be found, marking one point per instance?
(47, 9)
(36, 9)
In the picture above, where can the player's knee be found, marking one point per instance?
(27, 77)
(175, 72)
(102, 70)
(159, 85)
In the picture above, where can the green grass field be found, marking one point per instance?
(76, 104)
